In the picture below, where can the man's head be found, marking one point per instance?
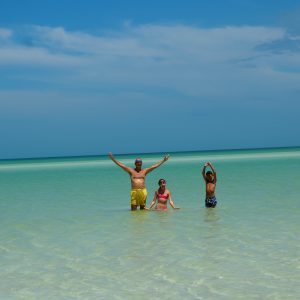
(209, 176)
(138, 162)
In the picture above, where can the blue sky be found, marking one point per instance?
(147, 76)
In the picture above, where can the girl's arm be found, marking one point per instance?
(153, 201)
(171, 201)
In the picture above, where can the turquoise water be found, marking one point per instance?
(67, 232)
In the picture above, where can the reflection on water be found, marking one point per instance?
(213, 228)
(211, 215)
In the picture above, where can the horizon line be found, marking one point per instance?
(146, 153)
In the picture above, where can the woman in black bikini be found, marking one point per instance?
(162, 195)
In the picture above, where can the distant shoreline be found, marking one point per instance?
(147, 153)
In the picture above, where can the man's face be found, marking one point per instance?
(138, 164)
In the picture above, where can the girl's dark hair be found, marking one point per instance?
(161, 180)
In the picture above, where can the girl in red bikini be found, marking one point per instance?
(162, 195)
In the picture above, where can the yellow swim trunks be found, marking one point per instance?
(138, 196)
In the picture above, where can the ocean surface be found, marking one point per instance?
(66, 231)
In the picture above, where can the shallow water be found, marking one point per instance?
(67, 232)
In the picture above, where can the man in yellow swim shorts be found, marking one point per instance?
(137, 176)
(138, 197)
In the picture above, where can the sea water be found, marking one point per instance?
(66, 230)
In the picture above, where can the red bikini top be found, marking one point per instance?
(165, 196)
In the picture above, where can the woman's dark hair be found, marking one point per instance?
(160, 180)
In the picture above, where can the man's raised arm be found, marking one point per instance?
(125, 168)
(157, 164)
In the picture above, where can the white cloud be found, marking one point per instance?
(34, 56)
(153, 42)
(191, 60)
(5, 33)
(87, 44)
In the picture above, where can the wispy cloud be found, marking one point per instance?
(5, 33)
(188, 59)
(286, 44)
(148, 41)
